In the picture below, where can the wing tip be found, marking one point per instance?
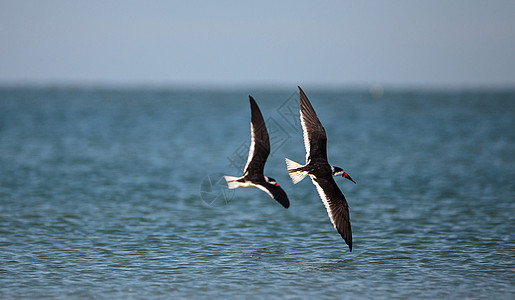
(348, 241)
(283, 198)
(301, 91)
(285, 203)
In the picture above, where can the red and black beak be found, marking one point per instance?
(345, 175)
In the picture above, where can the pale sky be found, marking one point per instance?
(463, 43)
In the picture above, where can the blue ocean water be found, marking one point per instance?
(113, 193)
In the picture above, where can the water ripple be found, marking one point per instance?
(100, 197)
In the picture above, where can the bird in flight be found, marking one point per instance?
(320, 171)
(258, 154)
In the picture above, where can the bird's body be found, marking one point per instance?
(253, 174)
(320, 171)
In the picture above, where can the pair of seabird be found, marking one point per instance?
(316, 166)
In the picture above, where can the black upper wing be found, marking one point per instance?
(259, 143)
(336, 205)
(276, 192)
(315, 139)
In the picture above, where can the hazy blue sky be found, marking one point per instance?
(394, 42)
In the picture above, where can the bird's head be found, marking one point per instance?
(271, 180)
(337, 171)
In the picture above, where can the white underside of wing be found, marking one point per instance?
(233, 183)
(305, 134)
(252, 147)
(263, 189)
(324, 198)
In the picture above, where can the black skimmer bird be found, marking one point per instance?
(320, 171)
(258, 154)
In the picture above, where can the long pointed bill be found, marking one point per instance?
(345, 175)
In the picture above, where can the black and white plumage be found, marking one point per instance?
(258, 154)
(320, 171)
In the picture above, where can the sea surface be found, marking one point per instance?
(117, 194)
